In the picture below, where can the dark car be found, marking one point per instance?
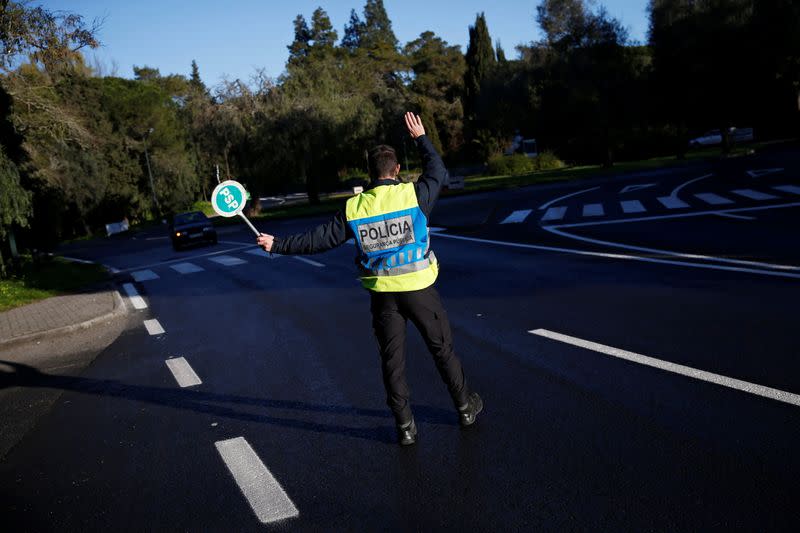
(191, 227)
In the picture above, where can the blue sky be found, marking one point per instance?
(235, 38)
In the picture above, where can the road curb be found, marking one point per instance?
(120, 309)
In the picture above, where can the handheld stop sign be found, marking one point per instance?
(228, 200)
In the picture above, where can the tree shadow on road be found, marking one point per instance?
(209, 403)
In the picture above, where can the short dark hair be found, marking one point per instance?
(382, 161)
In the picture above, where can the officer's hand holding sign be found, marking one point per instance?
(389, 225)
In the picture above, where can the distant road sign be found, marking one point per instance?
(228, 198)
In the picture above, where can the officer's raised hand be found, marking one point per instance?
(414, 125)
(265, 241)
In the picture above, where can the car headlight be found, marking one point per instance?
(177, 233)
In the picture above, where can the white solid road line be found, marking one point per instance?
(672, 202)
(753, 195)
(710, 377)
(227, 260)
(794, 189)
(432, 229)
(136, 301)
(144, 275)
(186, 268)
(153, 327)
(308, 261)
(570, 195)
(517, 216)
(713, 199)
(625, 257)
(593, 210)
(677, 215)
(554, 213)
(738, 217)
(558, 231)
(632, 206)
(263, 492)
(183, 373)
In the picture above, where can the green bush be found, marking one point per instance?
(510, 165)
(547, 161)
(203, 206)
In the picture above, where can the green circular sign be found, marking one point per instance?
(228, 198)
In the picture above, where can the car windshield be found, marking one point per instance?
(188, 218)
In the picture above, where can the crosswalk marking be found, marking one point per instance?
(517, 216)
(753, 195)
(672, 202)
(183, 373)
(713, 199)
(144, 275)
(136, 301)
(593, 210)
(261, 253)
(186, 268)
(263, 492)
(153, 327)
(227, 260)
(632, 206)
(554, 213)
(794, 189)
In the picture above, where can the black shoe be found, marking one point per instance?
(467, 413)
(407, 433)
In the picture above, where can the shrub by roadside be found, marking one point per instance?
(518, 164)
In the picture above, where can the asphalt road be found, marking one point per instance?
(694, 429)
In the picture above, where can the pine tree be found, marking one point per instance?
(298, 50)
(322, 34)
(194, 81)
(353, 32)
(500, 53)
(480, 59)
(378, 31)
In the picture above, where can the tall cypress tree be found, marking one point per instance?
(480, 59)
(194, 81)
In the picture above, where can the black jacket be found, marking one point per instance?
(337, 231)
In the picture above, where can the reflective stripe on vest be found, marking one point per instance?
(392, 239)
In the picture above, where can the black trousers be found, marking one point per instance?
(390, 313)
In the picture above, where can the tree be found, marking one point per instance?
(298, 49)
(195, 82)
(480, 59)
(377, 30)
(15, 201)
(353, 32)
(322, 35)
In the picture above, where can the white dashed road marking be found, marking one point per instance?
(753, 195)
(710, 377)
(794, 189)
(517, 216)
(261, 253)
(713, 199)
(308, 261)
(144, 275)
(593, 210)
(554, 213)
(263, 492)
(153, 327)
(136, 301)
(632, 206)
(672, 202)
(227, 260)
(186, 268)
(183, 373)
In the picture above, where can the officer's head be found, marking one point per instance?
(382, 162)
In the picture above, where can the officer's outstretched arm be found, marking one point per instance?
(317, 240)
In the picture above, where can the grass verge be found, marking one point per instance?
(36, 282)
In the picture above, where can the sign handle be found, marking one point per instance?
(252, 227)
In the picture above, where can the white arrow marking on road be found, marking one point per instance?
(763, 172)
(517, 216)
(554, 200)
(631, 188)
(144, 275)
(136, 301)
(153, 327)
(183, 373)
(710, 377)
(263, 492)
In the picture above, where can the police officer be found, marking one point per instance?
(389, 222)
